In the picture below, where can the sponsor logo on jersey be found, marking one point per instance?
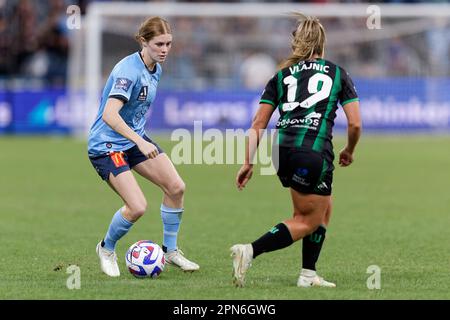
(143, 94)
(311, 119)
(123, 84)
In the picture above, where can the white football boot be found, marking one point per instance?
(242, 260)
(178, 259)
(108, 261)
(309, 278)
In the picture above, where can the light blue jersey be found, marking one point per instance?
(131, 82)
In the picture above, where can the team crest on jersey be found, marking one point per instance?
(123, 84)
(143, 93)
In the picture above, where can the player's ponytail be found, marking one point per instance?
(152, 27)
(308, 40)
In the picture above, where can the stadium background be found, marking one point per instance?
(391, 206)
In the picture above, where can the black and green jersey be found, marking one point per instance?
(307, 96)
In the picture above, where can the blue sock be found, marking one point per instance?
(117, 229)
(171, 223)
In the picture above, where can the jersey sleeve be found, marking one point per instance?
(123, 81)
(270, 93)
(348, 91)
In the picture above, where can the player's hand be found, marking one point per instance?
(148, 149)
(244, 175)
(345, 158)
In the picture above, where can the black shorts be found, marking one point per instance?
(304, 170)
(119, 161)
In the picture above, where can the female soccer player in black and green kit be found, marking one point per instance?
(306, 91)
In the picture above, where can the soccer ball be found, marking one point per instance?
(145, 259)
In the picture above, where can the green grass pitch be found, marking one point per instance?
(391, 209)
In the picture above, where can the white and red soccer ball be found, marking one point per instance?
(145, 259)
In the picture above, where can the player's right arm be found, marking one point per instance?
(259, 124)
(113, 119)
(124, 78)
(260, 121)
(350, 103)
(352, 113)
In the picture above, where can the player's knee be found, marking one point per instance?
(308, 221)
(177, 189)
(138, 209)
(311, 227)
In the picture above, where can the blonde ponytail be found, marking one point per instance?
(308, 40)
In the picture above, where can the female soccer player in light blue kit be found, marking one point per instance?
(117, 144)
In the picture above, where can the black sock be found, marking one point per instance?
(278, 237)
(312, 245)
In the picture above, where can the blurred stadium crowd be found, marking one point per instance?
(34, 45)
(34, 40)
